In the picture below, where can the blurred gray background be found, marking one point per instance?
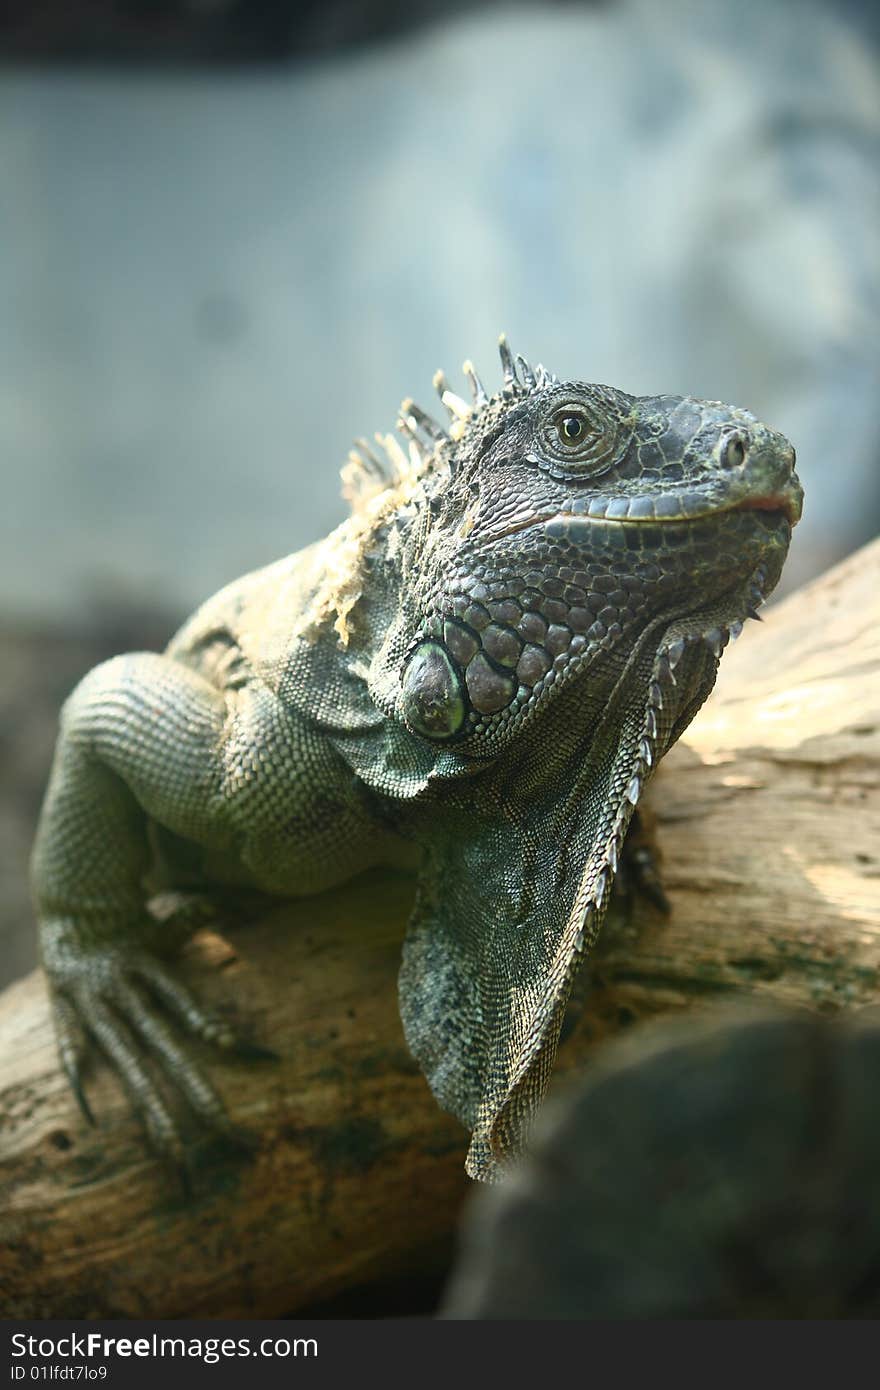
(234, 237)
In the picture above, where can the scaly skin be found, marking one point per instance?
(488, 659)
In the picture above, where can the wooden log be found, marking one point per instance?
(768, 820)
(768, 815)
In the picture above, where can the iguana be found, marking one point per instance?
(488, 658)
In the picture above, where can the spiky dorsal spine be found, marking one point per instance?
(385, 471)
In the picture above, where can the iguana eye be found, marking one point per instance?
(572, 428)
(572, 434)
(580, 433)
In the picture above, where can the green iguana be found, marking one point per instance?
(488, 658)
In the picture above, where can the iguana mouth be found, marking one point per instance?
(788, 503)
(646, 509)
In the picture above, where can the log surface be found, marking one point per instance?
(768, 820)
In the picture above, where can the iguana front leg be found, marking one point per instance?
(141, 738)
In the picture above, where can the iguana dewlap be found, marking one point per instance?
(488, 658)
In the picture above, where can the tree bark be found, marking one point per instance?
(768, 821)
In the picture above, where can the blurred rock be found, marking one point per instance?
(722, 1170)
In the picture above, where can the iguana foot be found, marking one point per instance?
(118, 997)
(639, 872)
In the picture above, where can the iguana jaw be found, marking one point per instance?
(668, 509)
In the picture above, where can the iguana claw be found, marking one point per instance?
(113, 996)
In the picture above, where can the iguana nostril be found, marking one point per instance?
(733, 451)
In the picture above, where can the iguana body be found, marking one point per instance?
(488, 659)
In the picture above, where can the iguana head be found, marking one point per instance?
(553, 522)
